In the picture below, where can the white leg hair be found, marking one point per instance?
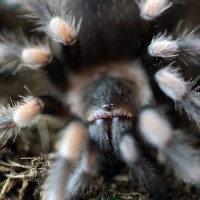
(27, 113)
(19, 115)
(128, 149)
(163, 46)
(185, 46)
(138, 166)
(182, 158)
(17, 53)
(172, 84)
(83, 176)
(53, 18)
(151, 9)
(71, 145)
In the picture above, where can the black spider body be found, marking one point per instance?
(108, 36)
(109, 30)
(99, 57)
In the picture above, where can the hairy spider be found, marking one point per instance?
(99, 55)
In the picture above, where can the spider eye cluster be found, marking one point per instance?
(108, 94)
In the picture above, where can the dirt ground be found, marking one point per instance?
(25, 161)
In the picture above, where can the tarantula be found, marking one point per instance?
(98, 54)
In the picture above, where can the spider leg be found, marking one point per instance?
(59, 24)
(184, 46)
(53, 18)
(156, 131)
(27, 113)
(72, 143)
(62, 28)
(17, 53)
(139, 166)
(151, 9)
(172, 84)
(83, 176)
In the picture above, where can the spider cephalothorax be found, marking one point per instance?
(109, 100)
(98, 56)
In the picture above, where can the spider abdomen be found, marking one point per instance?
(109, 30)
